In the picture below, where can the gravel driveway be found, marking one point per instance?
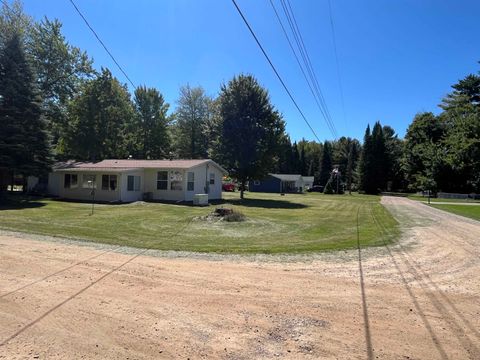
(417, 299)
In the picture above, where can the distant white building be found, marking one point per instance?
(132, 180)
(307, 182)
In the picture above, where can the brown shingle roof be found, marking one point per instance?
(122, 164)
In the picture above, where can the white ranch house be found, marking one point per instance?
(132, 180)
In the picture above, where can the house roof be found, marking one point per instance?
(287, 177)
(131, 164)
(308, 178)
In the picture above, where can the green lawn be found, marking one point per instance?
(275, 224)
(470, 211)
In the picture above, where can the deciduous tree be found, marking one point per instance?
(251, 130)
(60, 69)
(99, 118)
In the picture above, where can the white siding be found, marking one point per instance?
(202, 181)
(169, 195)
(129, 196)
(81, 193)
(215, 192)
(148, 185)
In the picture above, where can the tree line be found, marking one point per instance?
(55, 106)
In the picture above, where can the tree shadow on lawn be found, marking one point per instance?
(264, 203)
(20, 202)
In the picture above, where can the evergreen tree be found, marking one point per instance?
(325, 164)
(365, 167)
(284, 163)
(295, 159)
(380, 157)
(373, 162)
(24, 145)
(303, 161)
(14, 22)
(251, 130)
(150, 134)
(193, 112)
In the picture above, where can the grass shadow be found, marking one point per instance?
(264, 203)
(20, 202)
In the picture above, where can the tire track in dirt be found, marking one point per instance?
(448, 312)
(70, 298)
(84, 261)
(407, 286)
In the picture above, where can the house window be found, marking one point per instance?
(256, 182)
(109, 182)
(190, 181)
(88, 181)
(176, 180)
(70, 181)
(162, 180)
(133, 183)
(212, 178)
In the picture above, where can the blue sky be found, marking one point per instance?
(397, 57)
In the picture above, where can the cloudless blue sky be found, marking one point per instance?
(397, 57)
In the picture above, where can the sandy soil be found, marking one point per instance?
(418, 299)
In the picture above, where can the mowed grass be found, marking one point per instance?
(470, 211)
(275, 224)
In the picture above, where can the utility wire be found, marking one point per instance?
(102, 43)
(336, 59)
(274, 69)
(315, 96)
(287, 8)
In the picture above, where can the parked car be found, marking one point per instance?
(316, 188)
(228, 187)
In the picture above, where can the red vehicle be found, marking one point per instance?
(228, 187)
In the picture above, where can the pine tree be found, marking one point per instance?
(303, 161)
(24, 145)
(366, 181)
(150, 138)
(373, 162)
(380, 157)
(295, 159)
(191, 116)
(325, 164)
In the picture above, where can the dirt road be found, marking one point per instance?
(418, 299)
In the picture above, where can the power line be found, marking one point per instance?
(306, 60)
(274, 69)
(315, 96)
(102, 43)
(287, 8)
(336, 59)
